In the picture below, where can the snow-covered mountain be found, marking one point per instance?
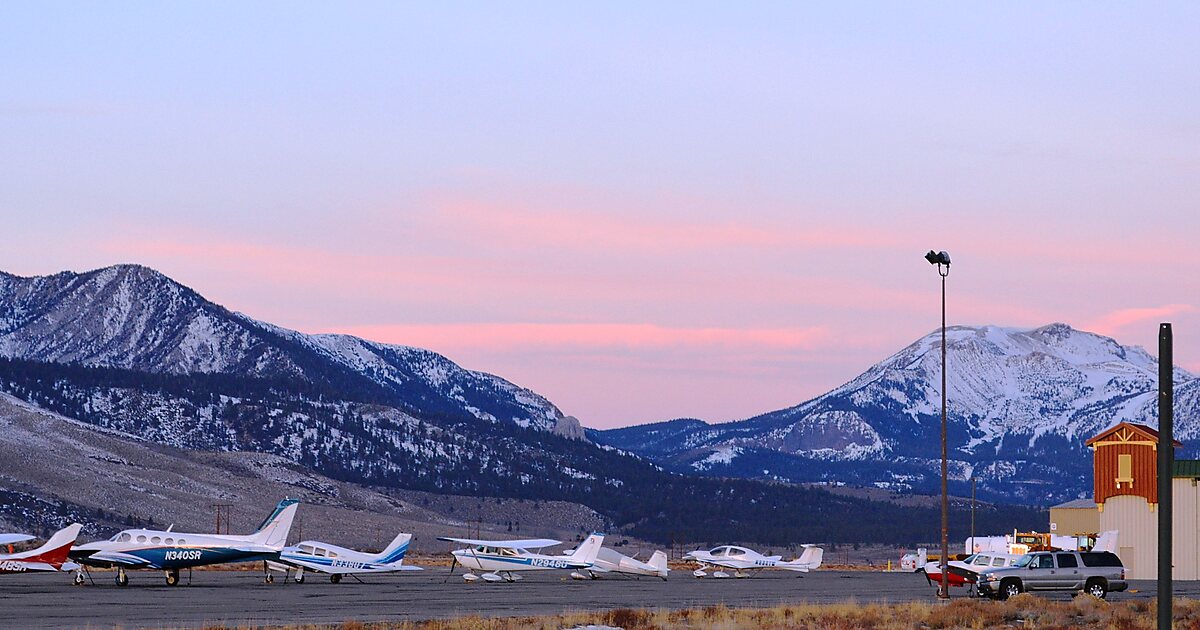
(132, 317)
(142, 358)
(1021, 403)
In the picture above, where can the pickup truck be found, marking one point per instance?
(1092, 572)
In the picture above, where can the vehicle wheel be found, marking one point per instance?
(269, 579)
(172, 578)
(122, 579)
(335, 578)
(300, 579)
(1009, 588)
(1097, 589)
(78, 579)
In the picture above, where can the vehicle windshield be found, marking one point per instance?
(969, 559)
(1024, 560)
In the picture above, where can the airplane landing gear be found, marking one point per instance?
(269, 579)
(335, 578)
(300, 578)
(122, 578)
(79, 578)
(173, 577)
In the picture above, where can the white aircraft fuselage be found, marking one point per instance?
(742, 559)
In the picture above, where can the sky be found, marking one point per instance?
(642, 211)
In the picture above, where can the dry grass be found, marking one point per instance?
(1023, 611)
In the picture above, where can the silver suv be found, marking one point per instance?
(1093, 572)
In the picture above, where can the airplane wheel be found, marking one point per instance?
(172, 578)
(269, 579)
(300, 579)
(78, 579)
(122, 579)
(335, 578)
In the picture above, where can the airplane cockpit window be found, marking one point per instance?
(122, 537)
(737, 552)
(306, 549)
(508, 552)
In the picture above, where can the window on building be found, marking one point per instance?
(1124, 470)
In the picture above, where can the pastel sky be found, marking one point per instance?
(641, 210)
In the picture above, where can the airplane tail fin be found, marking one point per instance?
(809, 560)
(589, 549)
(1106, 541)
(275, 528)
(54, 551)
(394, 553)
(658, 562)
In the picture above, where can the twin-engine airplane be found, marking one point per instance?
(337, 561)
(49, 557)
(500, 559)
(745, 561)
(609, 561)
(170, 551)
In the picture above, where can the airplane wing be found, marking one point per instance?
(10, 539)
(532, 543)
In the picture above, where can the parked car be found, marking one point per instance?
(1092, 572)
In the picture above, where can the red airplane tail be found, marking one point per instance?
(54, 552)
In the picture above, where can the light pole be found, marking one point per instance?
(942, 260)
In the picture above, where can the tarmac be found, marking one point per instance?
(241, 598)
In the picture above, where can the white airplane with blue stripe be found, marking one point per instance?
(313, 555)
(170, 551)
(745, 561)
(501, 559)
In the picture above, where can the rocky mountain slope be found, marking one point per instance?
(132, 317)
(58, 470)
(1021, 404)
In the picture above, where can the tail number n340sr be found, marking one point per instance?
(183, 554)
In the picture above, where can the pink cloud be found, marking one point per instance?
(532, 336)
(1113, 323)
(590, 230)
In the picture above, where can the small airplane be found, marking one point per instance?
(745, 561)
(52, 556)
(609, 561)
(500, 559)
(338, 561)
(171, 551)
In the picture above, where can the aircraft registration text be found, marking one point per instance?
(183, 554)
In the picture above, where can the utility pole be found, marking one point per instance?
(1166, 465)
(222, 512)
(972, 513)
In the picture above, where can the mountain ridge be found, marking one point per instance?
(1015, 396)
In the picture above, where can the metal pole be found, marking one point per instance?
(1166, 464)
(972, 514)
(944, 591)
